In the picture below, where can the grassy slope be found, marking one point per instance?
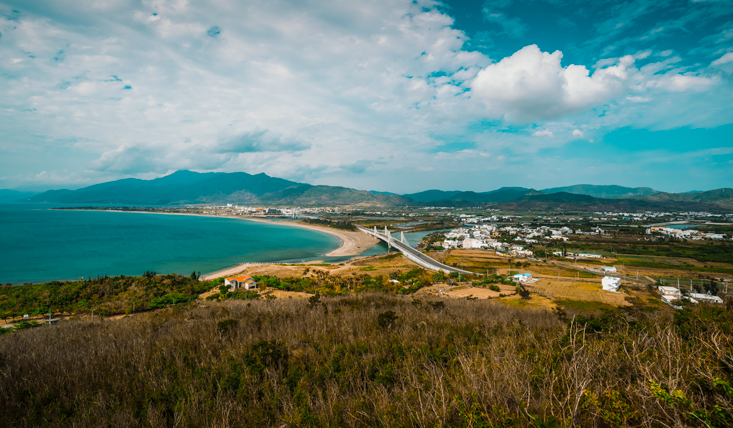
(347, 362)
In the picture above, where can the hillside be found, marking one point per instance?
(187, 187)
(718, 196)
(431, 195)
(450, 197)
(371, 359)
(7, 195)
(602, 191)
(564, 201)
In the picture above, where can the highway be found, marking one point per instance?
(412, 254)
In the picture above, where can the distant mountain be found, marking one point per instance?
(570, 202)
(7, 195)
(718, 196)
(602, 191)
(499, 195)
(187, 187)
(431, 195)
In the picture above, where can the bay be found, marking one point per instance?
(38, 244)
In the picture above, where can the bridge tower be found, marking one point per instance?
(389, 238)
(375, 231)
(402, 238)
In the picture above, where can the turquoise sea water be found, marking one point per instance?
(38, 244)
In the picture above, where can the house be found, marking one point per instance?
(669, 294)
(611, 283)
(244, 281)
(608, 269)
(522, 277)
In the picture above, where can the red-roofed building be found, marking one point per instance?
(236, 282)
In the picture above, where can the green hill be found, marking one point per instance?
(568, 202)
(718, 196)
(187, 187)
(7, 195)
(603, 191)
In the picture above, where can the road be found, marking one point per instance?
(414, 255)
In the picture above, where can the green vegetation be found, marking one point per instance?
(701, 251)
(332, 285)
(105, 295)
(373, 359)
(586, 306)
(494, 279)
(343, 225)
(659, 265)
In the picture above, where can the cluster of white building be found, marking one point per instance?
(673, 294)
(483, 237)
(691, 234)
(252, 210)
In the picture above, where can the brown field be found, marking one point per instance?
(533, 302)
(478, 260)
(575, 290)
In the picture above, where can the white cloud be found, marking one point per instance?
(724, 59)
(532, 85)
(543, 133)
(577, 133)
(332, 92)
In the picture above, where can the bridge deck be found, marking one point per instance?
(414, 255)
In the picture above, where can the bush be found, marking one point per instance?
(226, 325)
(387, 319)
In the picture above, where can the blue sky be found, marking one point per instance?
(387, 95)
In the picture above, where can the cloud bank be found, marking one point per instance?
(330, 92)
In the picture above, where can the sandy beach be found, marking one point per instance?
(352, 243)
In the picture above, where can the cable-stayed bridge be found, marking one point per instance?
(410, 253)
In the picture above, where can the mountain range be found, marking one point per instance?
(187, 187)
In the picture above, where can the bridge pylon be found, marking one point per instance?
(402, 238)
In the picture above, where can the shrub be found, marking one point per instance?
(226, 325)
(387, 319)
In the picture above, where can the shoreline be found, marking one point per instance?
(352, 243)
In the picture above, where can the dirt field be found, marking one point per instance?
(534, 302)
(574, 290)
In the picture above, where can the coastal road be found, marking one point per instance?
(412, 254)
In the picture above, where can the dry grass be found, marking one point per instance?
(338, 363)
(575, 290)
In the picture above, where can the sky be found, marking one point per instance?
(389, 95)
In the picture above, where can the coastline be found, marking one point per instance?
(352, 243)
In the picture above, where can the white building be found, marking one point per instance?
(705, 298)
(611, 283)
(670, 294)
(609, 269)
(523, 277)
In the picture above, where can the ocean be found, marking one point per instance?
(38, 244)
